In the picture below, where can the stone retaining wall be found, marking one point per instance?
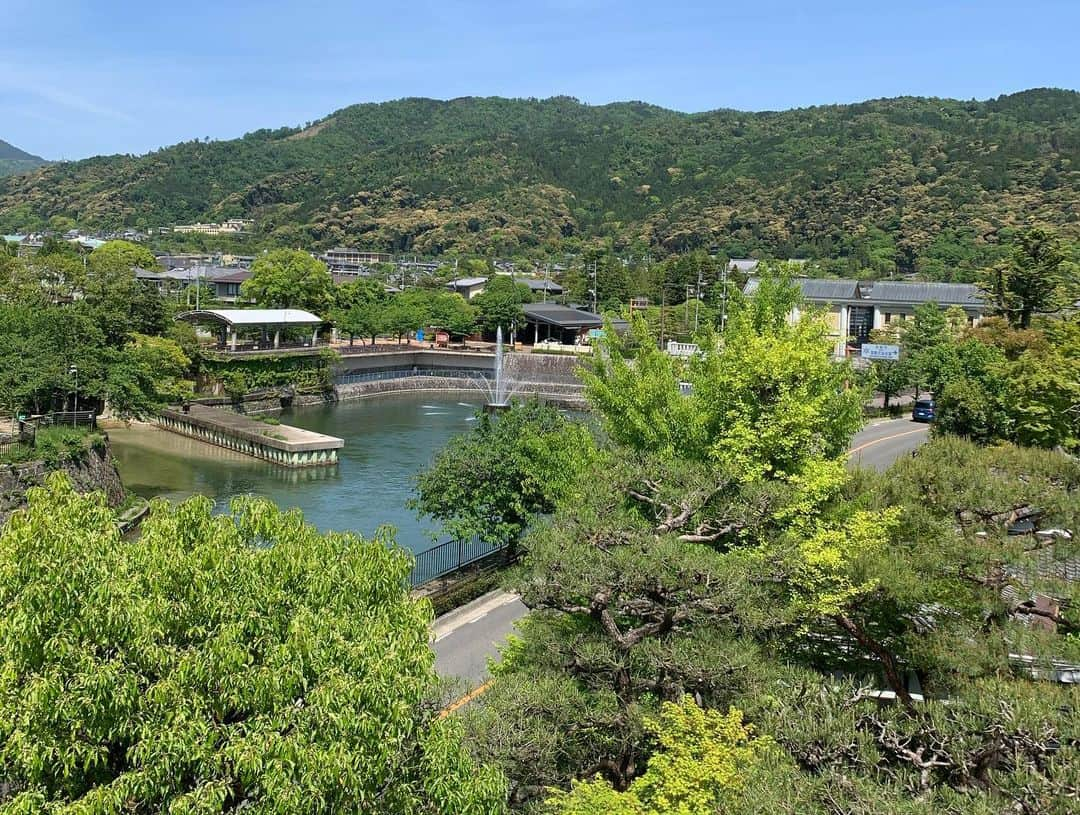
(564, 395)
(94, 471)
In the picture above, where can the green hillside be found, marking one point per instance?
(912, 183)
(14, 160)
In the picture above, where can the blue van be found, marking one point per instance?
(923, 410)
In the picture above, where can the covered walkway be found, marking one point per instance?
(257, 329)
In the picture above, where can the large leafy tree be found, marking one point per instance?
(359, 308)
(643, 583)
(289, 278)
(1036, 278)
(499, 304)
(243, 662)
(145, 376)
(511, 468)
(115, 299)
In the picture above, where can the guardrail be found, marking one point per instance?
(450, 556)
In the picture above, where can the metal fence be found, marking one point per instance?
(24, 438)
(70, 418)
(374, 376)
(449, 557)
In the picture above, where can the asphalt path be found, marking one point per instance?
(466, 638)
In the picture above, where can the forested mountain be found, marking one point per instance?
(908, 183)
(14, 160)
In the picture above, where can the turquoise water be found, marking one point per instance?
(388, 439)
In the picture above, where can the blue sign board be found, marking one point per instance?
(872, 351)
(419, 335)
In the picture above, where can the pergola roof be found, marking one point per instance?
(240, 317)
(561, 316)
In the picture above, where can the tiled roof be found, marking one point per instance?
(951, 294)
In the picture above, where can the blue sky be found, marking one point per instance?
(83, 78)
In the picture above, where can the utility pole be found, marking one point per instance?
(697, 302)
(723, 298)
(74, 371)
(594, 287)
(663, 308)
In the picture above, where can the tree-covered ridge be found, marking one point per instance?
(14, 160)
(912, 182)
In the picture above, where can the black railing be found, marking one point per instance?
(71, 418)
(448, 557)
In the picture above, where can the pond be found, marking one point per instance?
(388, 439)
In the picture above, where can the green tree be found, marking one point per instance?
(216, 663)
(494, 481)
(704, 763)
(289, 278)
(499, 304)
(146, 376)
(453, 313)
(1035, 279)
(121, 256)
(115, 299)
(359, 308)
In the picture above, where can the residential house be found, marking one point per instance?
(467, 287)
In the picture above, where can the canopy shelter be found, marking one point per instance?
(564, 324)
(262, 322)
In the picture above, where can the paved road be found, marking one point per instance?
(465, 638)
(880, 443)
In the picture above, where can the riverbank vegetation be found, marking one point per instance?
(68, 319)
(724, 616)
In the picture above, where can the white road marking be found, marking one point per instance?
(448, 627)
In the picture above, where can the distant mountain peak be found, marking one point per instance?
(13, 153)
(13, 160)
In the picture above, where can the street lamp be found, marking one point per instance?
(74, 371)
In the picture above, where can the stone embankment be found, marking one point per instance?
(93, 470)
(280, 444)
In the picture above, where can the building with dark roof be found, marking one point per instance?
(548, 287)
(552, 322)
(854, 308)
(227, 287)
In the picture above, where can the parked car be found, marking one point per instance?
(924, 410)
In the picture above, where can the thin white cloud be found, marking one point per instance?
(16, 81)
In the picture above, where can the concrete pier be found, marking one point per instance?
(281, 444)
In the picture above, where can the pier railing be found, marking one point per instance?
(450, 556)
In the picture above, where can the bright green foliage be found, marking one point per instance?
(828, 573)
(765, 399)
(121, 256)
(243, 662)
(146, 376)
(453, 313)
(703, 761)
(499, 304)
(513, 466)
(289, 278)
(307, 374)
(1000, 383)
(359, 308)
